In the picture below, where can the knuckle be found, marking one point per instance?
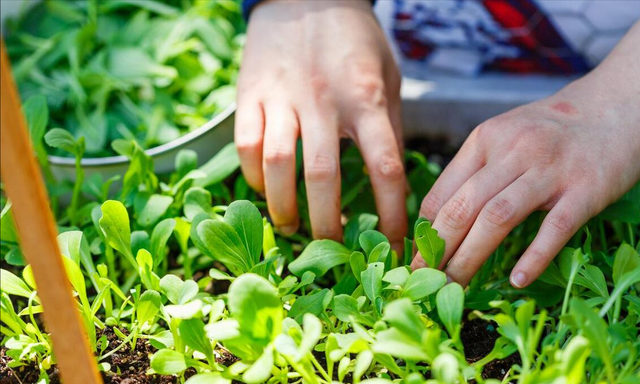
(499, 212)
(561, 223)
(430, 206)
(370, 91)
(278, 156)
(456, 212)
(248, 145)
(389, 168)
(322, 168)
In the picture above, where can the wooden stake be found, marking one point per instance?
(37, 232)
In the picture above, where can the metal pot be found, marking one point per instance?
(206, 140)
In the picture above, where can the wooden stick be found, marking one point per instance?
(37, 232)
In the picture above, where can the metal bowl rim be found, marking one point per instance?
(172, 145)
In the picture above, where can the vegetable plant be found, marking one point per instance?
(182, 278)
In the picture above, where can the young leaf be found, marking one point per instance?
(450, 303)
(159, 237)
(168, 362)
(245, 218)
(13, 285)
(254, 302)
(150, 208)
(424, 282)
(115, 225)
(356, 226)
(429, 244)
(370, 239)
(224, 244)
(314, 303)
(62, 139)
(358, 265)
(320, 256)
(197, 200)
(193, 334)
(626, 259)
(148, 307)
(372, 282)
(223, 164)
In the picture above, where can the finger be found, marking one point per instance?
(381, 155)
(321, 155)
(465, 164)
(562, 222)
(496, 219)
(279, 168)
(248, 132)
(457, 215)
(395, 117)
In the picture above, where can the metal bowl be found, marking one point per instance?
(206, 141)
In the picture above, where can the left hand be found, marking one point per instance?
(571, 154)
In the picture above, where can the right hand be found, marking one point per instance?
(321, 70)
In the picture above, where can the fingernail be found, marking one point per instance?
(449, 279)
(518, 279)
(289, 230)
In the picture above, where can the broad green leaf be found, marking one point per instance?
(356, 226)
(429, 244)
(168, 362)
(151, 208)
(314, 303)
(254, 302)
(62, 139)
(423, 282)
(186, 161)
(148, 306)
(395, 343)
(592, 277)
(358, 264)
(380, 253)
(626, 259)
(320, 256)
(345, 306)
(115, 225)
(370, 239)
(171, 286)
(13, 285)
(401, 315)
(159, 238)
(397, 277)
(372, 281)
(197, 200)
(223, 164)
(69, 243)
(193, 334)
(450, 303)
(245, 218)
(224, 244)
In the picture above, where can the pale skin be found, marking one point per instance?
(323, 70)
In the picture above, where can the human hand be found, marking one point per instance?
(321, 70)
(571, 154)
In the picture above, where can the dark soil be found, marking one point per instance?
(127, 366)
(23, 374)
(478, 337)
(130, 366)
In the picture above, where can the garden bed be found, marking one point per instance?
(190, 306)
